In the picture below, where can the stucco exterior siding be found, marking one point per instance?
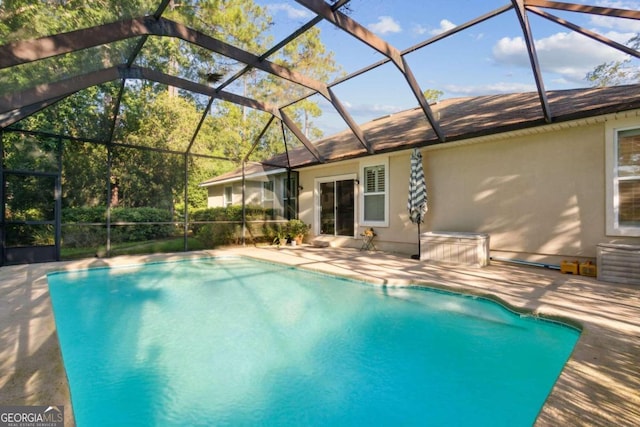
(540, 197)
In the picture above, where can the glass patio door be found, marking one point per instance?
(337, 207)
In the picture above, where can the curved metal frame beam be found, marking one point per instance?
(46, 47)
(361, 33)
(595, 10)
(585, 32)
(533, 57)
(71, 85)
(43, 93)
(10, 117)
(17, 106)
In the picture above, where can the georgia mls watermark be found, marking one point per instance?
(32, 416)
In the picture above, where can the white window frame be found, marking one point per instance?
(227, 201)
(613, 227)
(370, 163)
(268, 195)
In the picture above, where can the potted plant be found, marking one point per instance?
(297, 229)
(280, 235)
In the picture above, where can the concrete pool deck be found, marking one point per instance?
(599, 386)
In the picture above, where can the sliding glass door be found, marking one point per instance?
(337, 207)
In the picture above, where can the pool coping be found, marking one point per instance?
(598, 386)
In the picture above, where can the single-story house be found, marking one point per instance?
(543, 190)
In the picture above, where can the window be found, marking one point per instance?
(375, 194)
(624, 200)
(267, 191)
(290, 196)
(268, 196)
(228, 196)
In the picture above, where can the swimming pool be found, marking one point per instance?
(232, 341)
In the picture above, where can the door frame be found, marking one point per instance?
(36, 253)
(317, 205)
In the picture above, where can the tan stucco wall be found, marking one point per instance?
(536, 196)
(540, 197)
(400, 235)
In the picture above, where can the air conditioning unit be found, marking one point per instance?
(618, 263)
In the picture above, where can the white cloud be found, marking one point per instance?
(570, 55)
(291, 12)
(418, 29)
(445, 25)
(385, 24)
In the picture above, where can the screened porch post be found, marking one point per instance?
(186, 202)
(244, 210)
(109, 161)
(2, 203)
(58, 200)
(287, 190)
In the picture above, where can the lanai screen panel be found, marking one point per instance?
(65, 16)
(87, 114)
(154, 115)
(67, 66)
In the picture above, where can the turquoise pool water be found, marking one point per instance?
(236, 342)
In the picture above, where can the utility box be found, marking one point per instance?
(469, 249)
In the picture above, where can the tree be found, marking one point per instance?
(148, 116)
(616, 72)
(308, 56)
(432, 95)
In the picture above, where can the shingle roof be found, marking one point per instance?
(464, 118)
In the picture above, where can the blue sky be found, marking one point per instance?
(485, 59)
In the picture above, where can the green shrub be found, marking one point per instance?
(214, 235)
(140, 232)
(83, 236)
(87, 236)
(74, 215)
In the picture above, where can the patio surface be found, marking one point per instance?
(600, 385)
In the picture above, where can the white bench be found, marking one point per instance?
(469, 249)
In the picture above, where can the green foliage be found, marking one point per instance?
(149, 114)
(231, 213)
(214, 235)
(432, 95)
(84, 172)
(277, 234)
(83, 236)
(97, 214)
(616, 72)
(229, 224)
(295, 227)
(76, 232)
(140, 232)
